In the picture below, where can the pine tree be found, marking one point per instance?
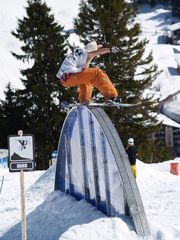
(44, 48)
(176, 8)
(11, 115)
(112, 23)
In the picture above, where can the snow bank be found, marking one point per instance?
(54, 215)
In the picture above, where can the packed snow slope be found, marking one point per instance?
(54, 215)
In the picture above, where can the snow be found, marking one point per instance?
(172, 106)
(54, 215)
(167, 121)
(154, 23)
(3, 153)
(174, 27)
(12, 10)
(177, 58)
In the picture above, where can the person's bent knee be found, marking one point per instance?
(99, 71)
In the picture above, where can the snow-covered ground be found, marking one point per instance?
(52, 215)
(154, 24)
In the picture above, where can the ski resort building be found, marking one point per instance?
(170, 134)
(175, 33)
(177, 59)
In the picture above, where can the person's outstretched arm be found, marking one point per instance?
(99, 51)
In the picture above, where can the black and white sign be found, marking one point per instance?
(21, 153)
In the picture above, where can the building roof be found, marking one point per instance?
(174, 27)
(167, 121)
(177, 58)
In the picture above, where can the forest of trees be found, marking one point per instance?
(37, 108)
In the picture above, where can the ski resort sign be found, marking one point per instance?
(21, 153)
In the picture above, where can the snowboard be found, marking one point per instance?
(113, 104)
(103, 104)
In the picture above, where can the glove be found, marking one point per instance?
(65, 76)
(115, 50)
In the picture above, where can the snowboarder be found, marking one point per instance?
(75, 71)
(131, 152)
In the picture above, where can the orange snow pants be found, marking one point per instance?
(89, 78)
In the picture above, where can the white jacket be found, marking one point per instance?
(74, 62)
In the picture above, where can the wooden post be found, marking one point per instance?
(23, 209)
(2, 181)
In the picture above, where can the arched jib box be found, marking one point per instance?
(92, 164)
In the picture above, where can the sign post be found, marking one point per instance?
(21, 158)
(23, 207)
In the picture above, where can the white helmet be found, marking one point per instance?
(91, 47)
(131, 141)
